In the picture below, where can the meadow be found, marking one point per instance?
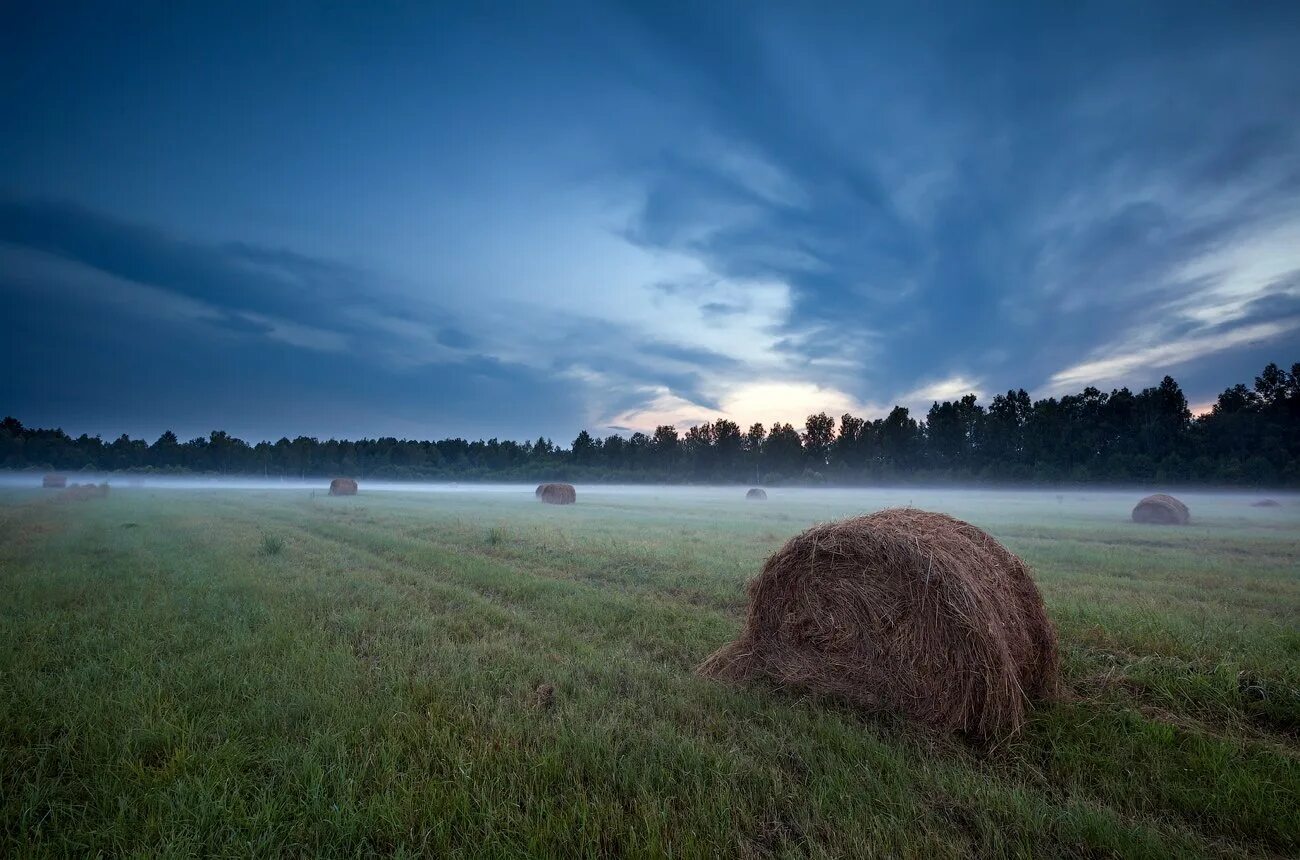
(468, 673)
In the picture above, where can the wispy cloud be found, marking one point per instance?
(746, 404)
(952, 388)
(1129, 359)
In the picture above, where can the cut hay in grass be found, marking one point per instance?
(557, 494)
(1161, 510)
(902, 611)
(543, 697)
(343, 487)
(56, 482)
(756, 495)
(1266, 503)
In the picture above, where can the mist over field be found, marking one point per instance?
(1065, 502)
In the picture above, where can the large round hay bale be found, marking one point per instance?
(756, 495)
(343, 487)
(54, 481)
(902, 611)
(557, 494)
(1161, 510)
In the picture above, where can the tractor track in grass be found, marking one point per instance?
(633, 607)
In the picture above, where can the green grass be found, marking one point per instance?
(221, 672)
(272, 544)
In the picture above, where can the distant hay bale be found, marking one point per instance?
(343, 487)
(557, 494)
(56, 482)
(1266, 503)
(902, 611)
(756, 495)
(1161, 510)
(81, 492)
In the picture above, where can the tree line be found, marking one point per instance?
(1251, 437)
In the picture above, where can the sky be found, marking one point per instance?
(512, 219)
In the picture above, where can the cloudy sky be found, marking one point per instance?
(514, 219)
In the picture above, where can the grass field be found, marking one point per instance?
(251, 672)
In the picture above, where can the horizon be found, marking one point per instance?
(1197, 412)
(438, 223)
(1092, 437)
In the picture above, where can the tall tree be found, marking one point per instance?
(818, 436)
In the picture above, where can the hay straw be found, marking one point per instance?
(343, 487)
(1161, 510)
(557, 494)
(81, 492)
(901, 611)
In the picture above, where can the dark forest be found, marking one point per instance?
(1251, 437)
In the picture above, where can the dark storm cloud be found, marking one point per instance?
(235, 276)
(702, 358)
(98, 364)
(236, 283)
(455, 338)
(92, 368)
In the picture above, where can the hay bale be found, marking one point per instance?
(1161, 510)
(1266, 503)
(343, 487)
(81, 492)
(756, 495)
(557, 494)
(56, 482)
(902, 611)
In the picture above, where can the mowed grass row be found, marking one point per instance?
(224, 672)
